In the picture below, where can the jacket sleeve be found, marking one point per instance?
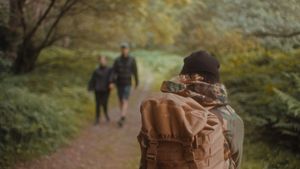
(135, 72)
(91, 85)
(235, 136)
(112, 74)
(238, 143)
(110, 79)
(233, 127)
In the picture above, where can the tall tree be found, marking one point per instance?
(30, 38)
(4, 15)
(38, 24)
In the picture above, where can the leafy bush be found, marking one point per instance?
(42, 110)
(289, 124)
(264, 88)
(261, 155)
(4, 64)
(28, 119)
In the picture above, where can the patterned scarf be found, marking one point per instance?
(193, 86)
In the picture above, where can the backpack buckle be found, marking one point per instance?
(151, 157)
(151, 154)
(152, 150)
(196, 142)
(189, 155)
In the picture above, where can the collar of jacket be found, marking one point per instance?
(125, 57)
(101, 69)
(204, 93)
(102, 66)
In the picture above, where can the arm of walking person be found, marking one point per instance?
(112, 75)
(135, 73)
(110, 79)
(91, 84)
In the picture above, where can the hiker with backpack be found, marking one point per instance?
(123, 69)
(190, 125)
(100, 84)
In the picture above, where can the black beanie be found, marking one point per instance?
(201, 62)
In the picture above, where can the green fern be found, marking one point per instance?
(292, 103)
(297, 81)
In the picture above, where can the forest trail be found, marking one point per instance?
(101, 147)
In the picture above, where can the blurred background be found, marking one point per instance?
(49, 48)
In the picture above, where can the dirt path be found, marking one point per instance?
(100, 147)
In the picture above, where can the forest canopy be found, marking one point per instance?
(221, 26)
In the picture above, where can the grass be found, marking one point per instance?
(161, 65)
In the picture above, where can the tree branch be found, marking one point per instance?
(40, 21)
(54, 39)
(23, 22)
(66, 7)
(276, 35)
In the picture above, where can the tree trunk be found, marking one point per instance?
(21, 51)
(15, 27)
(26, 58)
(4, 15)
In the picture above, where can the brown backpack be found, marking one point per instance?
(178, 133)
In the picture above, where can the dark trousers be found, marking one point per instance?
(101, 98)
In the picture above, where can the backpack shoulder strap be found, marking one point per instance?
(218, 112)
(189, 155)
(151, 154)
(150, 146)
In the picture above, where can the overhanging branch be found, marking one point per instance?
(66, 7)
(40, 21)
(276, 35)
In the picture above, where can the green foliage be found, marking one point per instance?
(162, 65)
(292, 103)
(5, 64)
(33, 123)
(259, 155)
(262, 88)
(3, 13)
(267, 20)
(143, 23)
(290, 124)
(42, 110)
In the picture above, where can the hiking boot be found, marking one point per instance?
(107, 119)
(96, 122)
(121, 122)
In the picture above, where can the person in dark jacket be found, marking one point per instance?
(100, 84)
(123, 69)
(212, 94)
